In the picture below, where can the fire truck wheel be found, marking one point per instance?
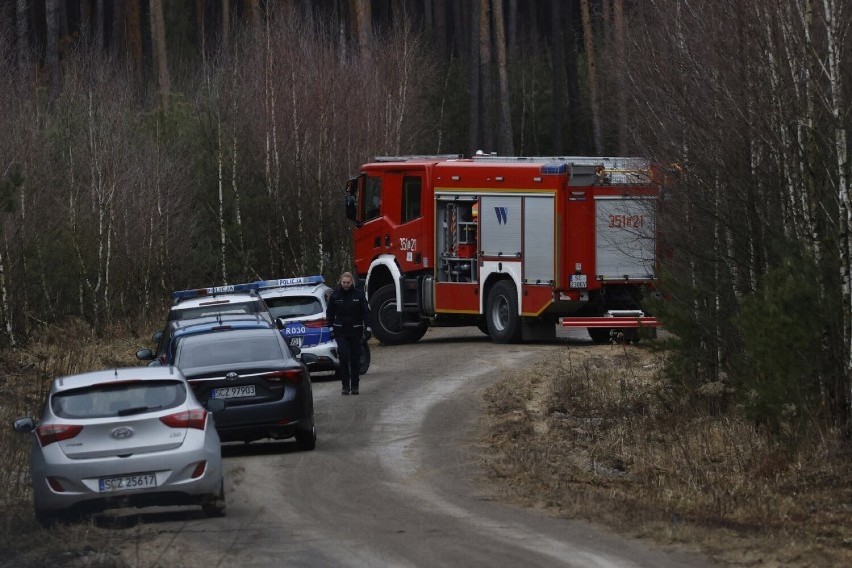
(504, 322)
(387, 322)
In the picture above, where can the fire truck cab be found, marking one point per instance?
(512, 245)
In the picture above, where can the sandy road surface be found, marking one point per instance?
(391, 482)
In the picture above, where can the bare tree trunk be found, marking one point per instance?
(4, 299)
(23, 34)
(506, 145)
(299, 166)
(200, 27)
(85, 22)
(226, 25)
(252, 10)
(364, 22)
(443, 105)
(589, 44)
(441, 28)
(557, 77)
(99, 24)
(117, 28)
(618, 17)
(487, 77)
(25, 277)
(460, 47)
(269, 122)
(234, 188)
(220, 165)
(158, 33)
(514, 42)
(835, 34)
(473, 141)
(133, 25)
(52, 48)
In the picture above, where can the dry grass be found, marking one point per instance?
(25, 376)
(597, 435)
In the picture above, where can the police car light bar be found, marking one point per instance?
(199, 292)
(285, 282)
(247, 287)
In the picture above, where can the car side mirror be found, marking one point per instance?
(24, 425)
(280, 323)
(309, 358)
(145, 354)
(157, 337)
(215, 405)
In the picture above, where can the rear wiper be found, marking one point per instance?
(136, 410)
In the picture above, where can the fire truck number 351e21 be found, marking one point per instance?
(511, 245)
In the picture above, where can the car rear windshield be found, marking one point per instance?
(219, 349)
(294, 306)
(118, 399)
(216, 308)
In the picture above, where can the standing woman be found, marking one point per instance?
(349, 316)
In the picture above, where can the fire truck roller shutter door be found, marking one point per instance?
(500, 222)
(624, 238)
(538, 240)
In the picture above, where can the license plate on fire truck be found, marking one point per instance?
(578, 281)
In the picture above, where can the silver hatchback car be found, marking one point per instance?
(123, 437)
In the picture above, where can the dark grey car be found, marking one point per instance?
(267, 390)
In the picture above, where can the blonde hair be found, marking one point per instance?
(347, 275)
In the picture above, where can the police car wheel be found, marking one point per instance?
(365, 358)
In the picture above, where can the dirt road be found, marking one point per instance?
(393, 482)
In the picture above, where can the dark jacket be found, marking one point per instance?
(348, 312)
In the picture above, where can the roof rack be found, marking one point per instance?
(417, 157)
(613, 170)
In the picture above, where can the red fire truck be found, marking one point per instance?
(513, 245)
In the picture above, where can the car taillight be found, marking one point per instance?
(50, 433)
(317, 323)
(290, 375)
(186, 419)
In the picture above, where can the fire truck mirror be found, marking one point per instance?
(352, 208)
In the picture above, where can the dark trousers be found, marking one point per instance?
(349, 352)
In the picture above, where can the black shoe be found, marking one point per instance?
(354, 391)
(346, 391)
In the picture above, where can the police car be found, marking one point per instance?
(178, 329)
(240, 299)
(298, 306)
(219, 301)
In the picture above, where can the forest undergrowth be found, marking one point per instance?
(598, 434)
(25, 377)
